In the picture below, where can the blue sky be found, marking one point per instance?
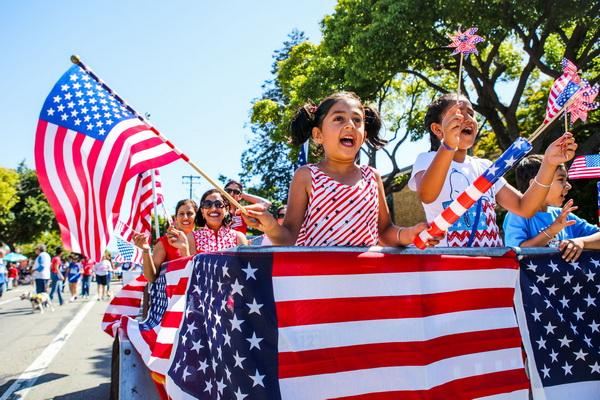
(195, 66)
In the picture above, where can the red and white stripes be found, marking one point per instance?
(341, 215)
(84, 178)
(454, 211)
(126, 303)
(354, 326)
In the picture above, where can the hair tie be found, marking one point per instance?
(312, 109)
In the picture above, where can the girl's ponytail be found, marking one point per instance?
(372, 127)
(302, 123)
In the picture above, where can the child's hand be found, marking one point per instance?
(571, 249)
(258, 217)
(407, 235)
(451, 126)
(141, 241)
(561, 150)
(561, 221)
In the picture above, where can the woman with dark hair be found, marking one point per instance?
(215, 219)
(173, 245)
(236, 190)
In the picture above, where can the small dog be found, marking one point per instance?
(38, 301)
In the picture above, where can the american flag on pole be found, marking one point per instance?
(557, 307)
(562, 89)
(585, 167)
(128, 253)
(347, 325)
(140, 219)
(482, 184)
(126, 303)
(88, 145)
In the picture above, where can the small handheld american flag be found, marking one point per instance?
(128, 252)
(585, 167)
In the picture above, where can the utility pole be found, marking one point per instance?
(190, 180)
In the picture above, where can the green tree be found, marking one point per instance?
(33, 216)
(267, 163)
(385, 38)
(8, 195)
(394, 54)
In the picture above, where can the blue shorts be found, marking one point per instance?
(74, 278)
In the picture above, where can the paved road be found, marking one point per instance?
(58, 355)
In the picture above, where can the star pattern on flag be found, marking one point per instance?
(222, 335)
(517, 150)
(561, 306)
(84, 105)
(464, 42)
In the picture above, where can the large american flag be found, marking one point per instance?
(142, 205)
(563, 88)
(126, 303)
(482, 184)
(346, 324)
(88, 145)
(557, 307)
(585, 167)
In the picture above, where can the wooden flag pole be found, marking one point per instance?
(76, 60)
(460, 66)
(154, 205)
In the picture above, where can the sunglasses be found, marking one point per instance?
(235, 192)
(209, 204)
(280, 215)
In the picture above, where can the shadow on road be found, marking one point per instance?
(100, 392)
(17, 312)
(40, 380)
(101, 364)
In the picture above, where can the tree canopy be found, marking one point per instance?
(26, 218)
(394, 54)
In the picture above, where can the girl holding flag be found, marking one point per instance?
(443, 173)
(335, 202)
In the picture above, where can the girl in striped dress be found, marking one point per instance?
(335, 202)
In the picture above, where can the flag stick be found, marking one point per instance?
(566, 122)
(540, 129)
(598, 185)
(167, 215)
(154, 206)
(76, 60)
(460, 66)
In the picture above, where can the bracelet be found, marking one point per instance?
(146, 251)
(398, 234)
(445, 146)
(541, 184)
(546, 233)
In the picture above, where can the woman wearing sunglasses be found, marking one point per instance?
(173, 245)
(214, 218)
(236, 190)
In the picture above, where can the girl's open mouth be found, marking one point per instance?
(347, 141)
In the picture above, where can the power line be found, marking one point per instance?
(190, 180)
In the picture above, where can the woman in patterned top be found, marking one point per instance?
(335, 202)
(214, 218)
(173, 245)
